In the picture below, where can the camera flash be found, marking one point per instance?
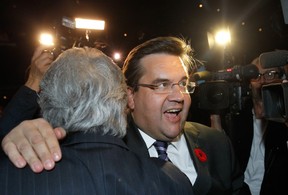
(46, 39)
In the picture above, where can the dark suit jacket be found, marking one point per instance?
(95, 164)
(240, 130)
(23, 106)
(218, 175)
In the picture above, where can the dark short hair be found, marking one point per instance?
(133, 70)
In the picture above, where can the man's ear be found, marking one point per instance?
(130, 93)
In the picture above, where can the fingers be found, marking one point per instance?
(60, 133)
(19, 150)
(47, 145)
(32, 142)
(39, 50)
(40, 63)
(12, 152)
(41, 60)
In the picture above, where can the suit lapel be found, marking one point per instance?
(203, 182)
(134, 140)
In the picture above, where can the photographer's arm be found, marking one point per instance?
(21, 107)
(216, 122)
(40, 63)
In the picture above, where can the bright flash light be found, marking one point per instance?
(223, 37)
(117, 56)
(89, 24)
(46, 39)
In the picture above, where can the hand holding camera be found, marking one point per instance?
(40, 63)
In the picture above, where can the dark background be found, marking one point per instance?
(256, 25)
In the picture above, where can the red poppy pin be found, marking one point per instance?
(200, 154)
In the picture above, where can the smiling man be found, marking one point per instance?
(157, 74)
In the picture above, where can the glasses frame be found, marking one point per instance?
(156, 87)
(268, 76)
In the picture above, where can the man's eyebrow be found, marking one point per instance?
(272, 70)
(159, 80)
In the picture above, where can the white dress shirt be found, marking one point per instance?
(178, 154)
(254, 172)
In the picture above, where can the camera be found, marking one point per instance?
(225, 90)
(275, 95)
(275, 100)
(73, 33)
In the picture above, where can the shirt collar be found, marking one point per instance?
(149, 140)
(177, 141)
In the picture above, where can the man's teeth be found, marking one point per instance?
(175, 111)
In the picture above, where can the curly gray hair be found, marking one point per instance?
(84, 90)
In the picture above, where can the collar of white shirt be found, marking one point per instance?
(149, 143)
(177, 153)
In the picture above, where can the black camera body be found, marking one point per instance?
(66, 35)
(222, 95)
(225, 90)
(275, 100)
(275, 95)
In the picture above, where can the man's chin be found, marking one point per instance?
(174, 132)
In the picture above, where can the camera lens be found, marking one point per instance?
(216, 94)
(277, 97)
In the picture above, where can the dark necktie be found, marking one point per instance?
(161, 148)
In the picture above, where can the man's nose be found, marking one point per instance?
(176, 94)
(262, 80)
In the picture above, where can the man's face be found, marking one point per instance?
(161, 116)
(267, 76)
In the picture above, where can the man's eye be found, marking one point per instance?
(271, 73)
(182, 83)
(163, 85)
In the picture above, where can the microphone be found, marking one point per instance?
(236, 73)
(202, 75)
(249, 71)
(274, 59)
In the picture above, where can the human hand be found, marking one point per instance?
(40, 63)
(216, 122)
(34, 142)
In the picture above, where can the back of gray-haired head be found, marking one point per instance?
(85, 91)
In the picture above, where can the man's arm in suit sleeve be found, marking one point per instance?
(23, 106)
